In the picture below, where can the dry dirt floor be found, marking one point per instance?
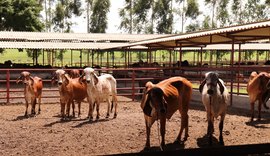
(46, 134)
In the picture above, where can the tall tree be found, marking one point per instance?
(164, 16)
(237, 13)
(213, 9)
(6, 10)
(126, 15)
(141, 10)
(98, 23)
(254, 11)
(20, 15)
(192, 9)
(63, 13)
(88, 13)
(222, 13)
(181, 12)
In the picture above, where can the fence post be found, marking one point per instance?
(8, 85)
(133, 85)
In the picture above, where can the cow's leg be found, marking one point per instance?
(26, 107)
(73, 108)
(162, 131)
(210, 132)
(68, 108)
(79, 109)
(184, 126)
(210, 128)
(221, 123)
(90, 109)
(259, 110)
(39, 103)
(252, 110)
(108, 108)
(115, 106)
(97, 109)
(148, 131)
(33, 103)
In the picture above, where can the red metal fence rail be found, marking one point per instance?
(130, 80)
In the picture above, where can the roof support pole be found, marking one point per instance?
(71, 58)
(88, 52)
(232, 72)
(238, 76)
(43, 57)
(201, 55)
(180, 55)
(170, 52)
(92, 52)
(107, 64)
(81, 58)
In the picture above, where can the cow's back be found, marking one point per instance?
(174, 90)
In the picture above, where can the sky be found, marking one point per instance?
(113, 19)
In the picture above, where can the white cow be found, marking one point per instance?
(100, 88)
(215, 98)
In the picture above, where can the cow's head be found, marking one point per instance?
(153, 98)
(59, 76)
(211, 81)
(25, 78)
(90, 76)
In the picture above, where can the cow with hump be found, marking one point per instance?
(70, 90)
(215, 99)
(32, 90)
(258, 89)
(160, 101)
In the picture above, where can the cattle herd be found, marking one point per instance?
(159, 102)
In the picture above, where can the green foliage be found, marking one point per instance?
(163, 16)
(126, 14)
(222, 14)
(254, 11)
(140, 10)
(192, 9)
(20, 15)
(63, 13)
(99, 22)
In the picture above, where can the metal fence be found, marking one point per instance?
(130, 81)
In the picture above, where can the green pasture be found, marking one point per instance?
(72, 58)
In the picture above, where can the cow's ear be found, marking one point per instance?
(145, 104)
(66, 80)
(202, 85)
(32, 80)
(95, 78)
(221, 87)
(82, 79)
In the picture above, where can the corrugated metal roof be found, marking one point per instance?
(65, 45)
(74, 37)
(240, 34)
(248, 46)
(57, 45)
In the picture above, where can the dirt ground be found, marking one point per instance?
(46, 134)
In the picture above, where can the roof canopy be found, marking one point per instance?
(227, 35)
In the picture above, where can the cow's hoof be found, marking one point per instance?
(107, 116)
(115, 115)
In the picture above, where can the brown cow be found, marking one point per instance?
(257, 90)
(70, 90)
(162, 100)
(32, 90)
(74, 73)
